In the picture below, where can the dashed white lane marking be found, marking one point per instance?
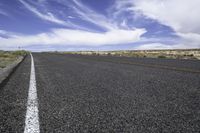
(32, 118)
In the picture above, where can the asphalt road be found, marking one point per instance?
(105, 94)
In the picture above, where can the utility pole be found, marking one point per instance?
(19, 48)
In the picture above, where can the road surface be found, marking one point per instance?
(102, 94)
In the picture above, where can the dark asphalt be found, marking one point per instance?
(100, 94)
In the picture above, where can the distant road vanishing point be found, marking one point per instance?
(52, 92)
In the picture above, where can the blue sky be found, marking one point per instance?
(42, 25)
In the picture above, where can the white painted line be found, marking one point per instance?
(32, 118)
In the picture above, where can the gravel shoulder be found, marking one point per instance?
(6, 71)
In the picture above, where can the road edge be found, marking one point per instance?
(9, 70)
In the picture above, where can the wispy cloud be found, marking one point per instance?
(92, 16)
(83, 11)
(3, 13)
(48, 16)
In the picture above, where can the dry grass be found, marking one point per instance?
(7, 57)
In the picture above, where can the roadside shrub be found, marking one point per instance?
(162, 56)
(109, 54)
(94, 54)
(19, 53)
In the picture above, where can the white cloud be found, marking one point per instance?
(75, 37)
(190, 37)
(190, 40)
(161, 46)
(153, 46)
(180, 15)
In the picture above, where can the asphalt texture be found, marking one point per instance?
(105, 94)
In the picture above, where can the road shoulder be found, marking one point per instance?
(7, 71)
